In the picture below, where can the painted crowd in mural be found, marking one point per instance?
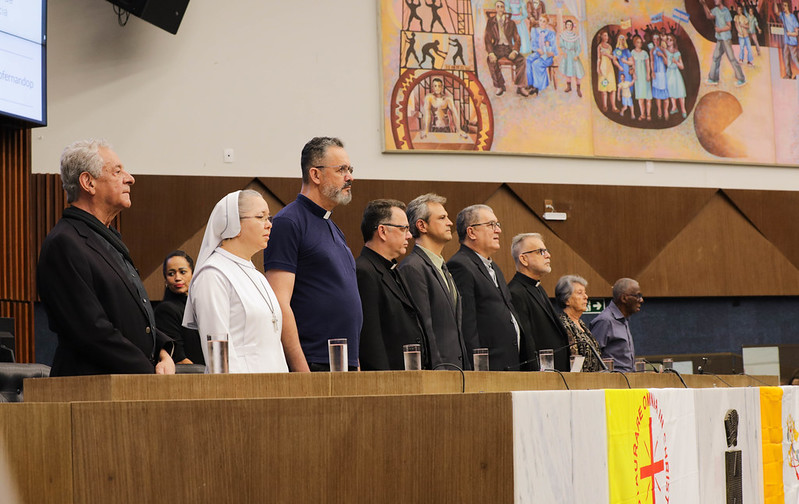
(690, 80)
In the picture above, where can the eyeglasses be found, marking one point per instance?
(341, 170)
(398, 226)
(262, 218)
(638, 296)
(542, 251)
(493, 224)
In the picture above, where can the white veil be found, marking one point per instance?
(223, 223)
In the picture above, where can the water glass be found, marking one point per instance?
(640, 365)
(609, 363)
(337, 351)
(217, 354)
(546, 359)
(413, 357)
(481, 359)
(668, 364)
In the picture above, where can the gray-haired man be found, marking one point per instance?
(430, 284)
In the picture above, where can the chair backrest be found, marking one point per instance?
(12, 375)
(189, 368)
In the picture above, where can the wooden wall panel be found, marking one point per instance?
(617, 229)
(38, 444)
(611, 231)
(515, 215)
(774, 214)
(355, 449)
(16, 256)
(720, 254)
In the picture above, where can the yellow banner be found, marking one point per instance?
(629, 446)
(771, 426)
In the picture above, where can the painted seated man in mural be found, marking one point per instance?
(544, 47)
(502, 41)
(439, 113)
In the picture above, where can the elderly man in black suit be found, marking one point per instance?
(537, 316)
(489, 318)
(389, 315)
(91, 290)
(431, 285)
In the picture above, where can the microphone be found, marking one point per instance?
(598, 357)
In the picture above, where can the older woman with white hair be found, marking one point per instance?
(228, 298)
(571, 295)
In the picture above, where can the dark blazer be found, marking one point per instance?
(169, 320)
(101, 322)
(389, 315)
(538, 318)
(491, 36)
(439, 312)
(487, 311)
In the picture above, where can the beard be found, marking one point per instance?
(337, 194)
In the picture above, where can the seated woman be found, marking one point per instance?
(231, 300)
(177, 269)
(572, 298)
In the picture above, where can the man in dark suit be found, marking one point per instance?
(502, 41)
(389, 315)
(92, 293)
(537, 316)
(489, 319)
(431, 285)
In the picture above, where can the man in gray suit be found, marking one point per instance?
(430, 284)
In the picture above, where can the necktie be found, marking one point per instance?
(450, 282)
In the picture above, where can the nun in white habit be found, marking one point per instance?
(228, 297)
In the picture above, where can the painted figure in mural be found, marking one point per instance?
(674, 79)
(458, 51)
(660, 90)
(534, 10)
(723, 26)
(742, 27)
(411, 50)
(606, 75)
(435, 6)
(570, 65)
(643, 79)
(428, 49)
(754, 28)
(623, 60)
(412, 14)
(502, 41)
(518, 13)
(440, 113)
(790, 48)
(626, 94)
(542, 43)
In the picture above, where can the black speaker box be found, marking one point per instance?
(165, 14)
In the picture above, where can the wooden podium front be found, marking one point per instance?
(330, 437)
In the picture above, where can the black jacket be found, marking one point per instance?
(487, 312)
(389, 316)
(101, 322)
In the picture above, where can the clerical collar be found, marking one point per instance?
(389, 264)
(313, 207)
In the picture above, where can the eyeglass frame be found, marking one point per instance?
(493, 224)
(340, 169)
(264, 219)
(542, 251)
(405, 228)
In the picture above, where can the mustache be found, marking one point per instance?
(346, 185)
